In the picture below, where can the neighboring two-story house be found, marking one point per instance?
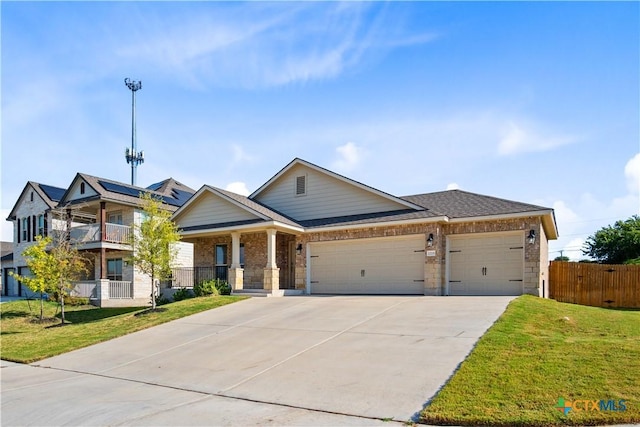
(98, 215)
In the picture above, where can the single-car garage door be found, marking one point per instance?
(490, 264)
(390, 265)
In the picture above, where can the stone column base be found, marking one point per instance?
(236, 278)
(102, 290)
(271, 279)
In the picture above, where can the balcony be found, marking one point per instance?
(90, 233)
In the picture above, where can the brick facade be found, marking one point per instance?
(255, 244)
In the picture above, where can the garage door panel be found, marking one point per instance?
(486, 265)
(368, 266)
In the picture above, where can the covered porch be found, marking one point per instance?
(268, 260)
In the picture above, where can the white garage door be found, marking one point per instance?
(392, 265)
(486, 265)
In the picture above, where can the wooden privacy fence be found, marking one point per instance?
(598, 285)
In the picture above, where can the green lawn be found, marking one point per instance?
(25, 340)
(537, 352)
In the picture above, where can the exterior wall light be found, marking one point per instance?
(299, 249)
(430, 240)
(532, 236)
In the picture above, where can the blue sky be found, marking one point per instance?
(535, 102)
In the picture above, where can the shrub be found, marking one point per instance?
(223, 287)
(182, 293)
(206, 288)
(162, 300)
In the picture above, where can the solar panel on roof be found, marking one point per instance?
(54, 193)
(120, 189)
(156, 186)
(181, 196)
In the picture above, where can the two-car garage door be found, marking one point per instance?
(486, 264)
(389, 265)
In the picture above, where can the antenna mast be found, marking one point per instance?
(132, 155)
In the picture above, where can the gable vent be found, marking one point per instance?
(301, 185)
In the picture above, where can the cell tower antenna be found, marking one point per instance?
(132, 155)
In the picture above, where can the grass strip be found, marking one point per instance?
(540, 351)
(23, 339)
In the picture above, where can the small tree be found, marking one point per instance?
(42, 266)
(54, 263)
(69, 264)
(562, 258)
(152, 239)
(615, 244)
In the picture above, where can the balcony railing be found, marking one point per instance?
(87, 289)
(115, 233)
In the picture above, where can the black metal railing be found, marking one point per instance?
(186, 277)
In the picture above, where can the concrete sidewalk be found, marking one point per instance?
(264, 361)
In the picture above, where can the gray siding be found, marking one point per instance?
(210, 209)
(325, 197)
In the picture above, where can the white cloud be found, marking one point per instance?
(349, 156)
(266, 45)
(238, 188)
(521, 138)
(632, 173)
(453, 186)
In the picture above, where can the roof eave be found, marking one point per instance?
(247, 228)
(322, 229)
(548, 220)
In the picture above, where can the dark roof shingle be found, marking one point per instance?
(463, 204)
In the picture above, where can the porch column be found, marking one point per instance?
(103, 263)
(103, 221)
(271, 272)
(236, 272)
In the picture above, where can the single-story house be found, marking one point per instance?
(313, 230)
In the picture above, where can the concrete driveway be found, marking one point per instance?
(334, 360)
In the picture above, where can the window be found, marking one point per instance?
(82, 188)
(114, 269)
(301, 185)
(221, 262)
(32, 196)
(25, 229)
(115, 218)
(241, 255)
(41, 225)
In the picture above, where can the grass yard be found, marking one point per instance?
(538, 352)
(25, 340)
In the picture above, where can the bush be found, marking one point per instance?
(206, 288)
(162, 300)
(182, 293)
(69, 299)
(223, 287)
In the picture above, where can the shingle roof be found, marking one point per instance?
(370, 218)
(50, 194)
(173, 193)
(463, 204)
(6, 248)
